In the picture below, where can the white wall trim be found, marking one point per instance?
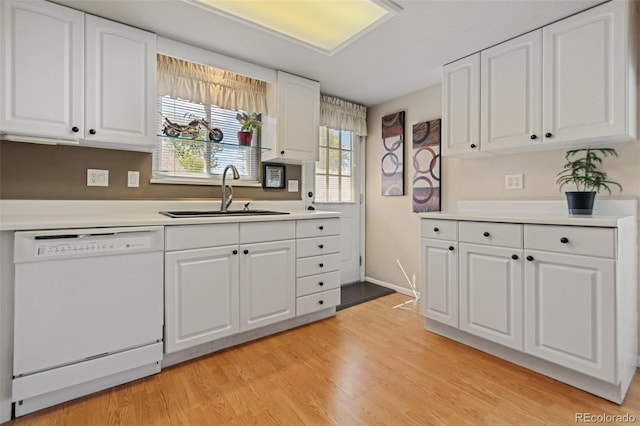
(399, 289)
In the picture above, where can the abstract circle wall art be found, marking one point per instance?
(426, 165)
(392, 162)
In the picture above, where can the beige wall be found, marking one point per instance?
(392, 230)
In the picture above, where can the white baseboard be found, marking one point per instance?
(399, 289)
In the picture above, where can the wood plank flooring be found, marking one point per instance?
(370, 365)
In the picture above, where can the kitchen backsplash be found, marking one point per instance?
(58, 172)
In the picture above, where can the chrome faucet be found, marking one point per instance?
(227, 202)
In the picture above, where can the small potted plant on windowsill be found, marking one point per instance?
(581, 170)
(250, 122)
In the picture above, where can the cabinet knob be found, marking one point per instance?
(321, 302)
(246, 252)
(564, 240)
(514, 256)
(486, 234)
(472, 146)
(282, 152)
(530, 258)
(92, 131)
(321, 265)
(321, 227)
(320, 283)
(74, 129)
(548, 135)
(451, 248)
(436, 229)
(235, 252)
(321, 246)
(533, 137)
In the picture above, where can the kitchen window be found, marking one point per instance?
(334, 177)
(197, 105)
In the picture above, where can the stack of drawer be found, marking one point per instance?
(317, 265)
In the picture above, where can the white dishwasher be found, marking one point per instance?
(88, 311)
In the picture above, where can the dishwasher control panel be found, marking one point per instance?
(87, 245)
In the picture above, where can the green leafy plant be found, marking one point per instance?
(581, 169)
(250, 121)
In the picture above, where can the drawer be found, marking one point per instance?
(318, 301)
(317, 246)
(317, 227)
(599, 242)
(439, 229)
(494, 234)
(184, 237)
(316, 283)
(258, 232)
(317, 265)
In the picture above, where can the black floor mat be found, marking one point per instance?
(354, 294)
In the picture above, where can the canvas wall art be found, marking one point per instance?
(426, 165)
(392, 162)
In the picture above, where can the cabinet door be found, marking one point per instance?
(201, 296)
(267, 283)
(584, 75)
(461, 106)
(491, 293)
(120, 85)
(569, 311)
(439, 281)
(41, 70)
(510, 93)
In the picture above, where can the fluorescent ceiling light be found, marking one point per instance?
(324, 25)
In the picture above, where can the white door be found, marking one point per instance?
(201, 296)
(439, 280)
(584, 75)
(511, 93)
(120, 84)
(491, 293)
(570, 311)
(330, 179)
(42, 65)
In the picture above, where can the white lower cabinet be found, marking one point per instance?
(439, 264)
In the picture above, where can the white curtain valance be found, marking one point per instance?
(207, 85)
(342, 115)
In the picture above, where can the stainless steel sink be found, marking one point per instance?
(213, 213)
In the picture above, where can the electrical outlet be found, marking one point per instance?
(513, 181)
(292, 186)
(97, 177)
(133, 179)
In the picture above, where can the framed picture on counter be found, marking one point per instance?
(273, 176)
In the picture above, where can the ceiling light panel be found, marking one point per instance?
(324, 25)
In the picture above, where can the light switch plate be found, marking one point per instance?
(97, 177)
(292, 186)
(133, 179)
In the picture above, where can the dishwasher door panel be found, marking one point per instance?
(73, 309)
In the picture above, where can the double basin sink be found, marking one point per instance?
(214, 213)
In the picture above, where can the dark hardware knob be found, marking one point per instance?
(436, 229)
(235, 252)
(311, 208)
(92, 131)
(514, 256)
(486, 234)
(282, 152)
(321, 227)
(309, 194)
(564, 240)
(321, 246)
(530, 258)
(473, 145)
(321, 302)
(533, 137)
(451, 248)
(246, 252)
(74, 129)
(321, 265)
(320, 283)
(547, 135)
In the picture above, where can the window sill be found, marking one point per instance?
(206, 182)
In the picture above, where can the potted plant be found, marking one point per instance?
(250, 123)
(581, 170)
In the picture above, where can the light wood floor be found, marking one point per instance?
(370, 365)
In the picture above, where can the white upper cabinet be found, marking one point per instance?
(588, 78)
(291, 128)
(42, 60)
(510, 92)
(461, 106)
(120, 88)
(68, 77)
